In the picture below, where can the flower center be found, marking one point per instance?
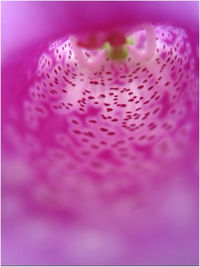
(114, 46)
(116, 51)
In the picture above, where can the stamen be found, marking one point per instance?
(150, 44)
(117, 52)
(83, 62)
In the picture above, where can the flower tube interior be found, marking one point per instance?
(99, 133)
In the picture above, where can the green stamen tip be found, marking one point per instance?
(129, 41)
(105, 46)
(117, 53)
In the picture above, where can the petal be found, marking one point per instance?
(82, 182)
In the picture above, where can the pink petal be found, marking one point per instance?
(99, 156)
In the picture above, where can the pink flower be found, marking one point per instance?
(100, 133)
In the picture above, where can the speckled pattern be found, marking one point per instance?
(98, 143)
(114, 116)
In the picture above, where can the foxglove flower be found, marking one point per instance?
(100, 133)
